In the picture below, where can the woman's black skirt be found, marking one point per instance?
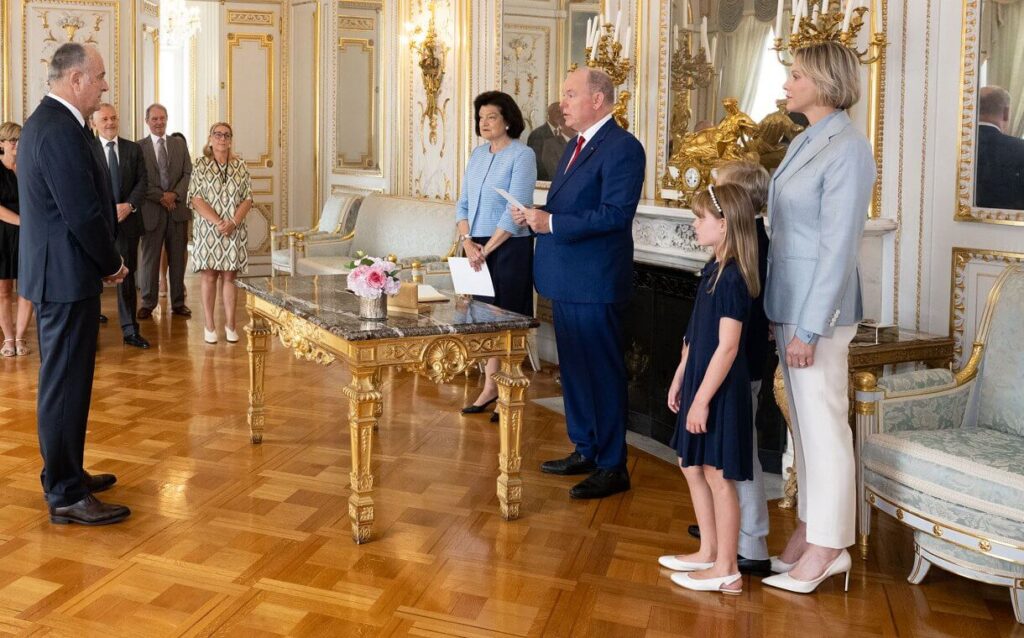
(511, 266)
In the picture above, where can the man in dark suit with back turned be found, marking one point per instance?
(1000, 179)
(66, 252)
(165, 213)
(584, 264)
(127, 174)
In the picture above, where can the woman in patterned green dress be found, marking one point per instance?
(220, 195)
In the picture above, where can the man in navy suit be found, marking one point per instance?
(584, 264)
(67, 251)
(127, 172)
(1000, 178)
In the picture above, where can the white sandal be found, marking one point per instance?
(21, 350)
(8, 351)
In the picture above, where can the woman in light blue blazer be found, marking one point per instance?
(817, 205)
(484, 218)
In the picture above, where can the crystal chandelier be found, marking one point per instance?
(178, 23)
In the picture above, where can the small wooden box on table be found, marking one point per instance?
(319, 320)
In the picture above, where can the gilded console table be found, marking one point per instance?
(868, 356)
(319, 320)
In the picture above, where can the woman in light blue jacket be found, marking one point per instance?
(817, 205)
(484, 218)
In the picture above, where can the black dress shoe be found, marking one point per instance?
(144, 313)
(182, 311)
(572, 464)
(99, 482)
(694, 530)
(136, 340)
(754, 566)
(89, 511)
(103, 318)
(495, 417)
(600, 484)
(477, 409)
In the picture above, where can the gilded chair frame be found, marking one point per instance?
(868, 399)
(970, 62)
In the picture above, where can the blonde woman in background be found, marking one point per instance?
(14, 331)
(220, 195)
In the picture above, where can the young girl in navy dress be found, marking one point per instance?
(711, 390)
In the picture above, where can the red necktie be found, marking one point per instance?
(580, 141)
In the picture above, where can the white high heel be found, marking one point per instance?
(230, 335)
(840, 565)
(683, 579)
(671, 562)
(209, 336)
(780, 566)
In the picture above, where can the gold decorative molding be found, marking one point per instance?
(302, 338)
(5, 73)
(151, 8)
(283, 123)
(962, 257)
(153, 33)
(89, 16)
(356, 23)
(265, 41)
(266, 211)
(251, 18)
(368, 159)
(970, 59)
(262, 190)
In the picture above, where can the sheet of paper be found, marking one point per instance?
(509, 198)
(468, 281)
(427, 293)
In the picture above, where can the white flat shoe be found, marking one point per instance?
(676, 565)
(230, 335)
(780, 566)
(209, 336)
(841, 565)
(683, 579)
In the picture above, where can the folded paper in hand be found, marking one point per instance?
(509, 198)
(468, 281)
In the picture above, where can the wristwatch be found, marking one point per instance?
(465, 237)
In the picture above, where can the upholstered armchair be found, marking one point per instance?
(331, 236)
(944, 453)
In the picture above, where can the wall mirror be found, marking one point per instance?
(357, 55)
(540, 40)
(990, 184)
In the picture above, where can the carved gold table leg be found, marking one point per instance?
(511, 390)
(364, 405)
(782, 399)
(258, 335)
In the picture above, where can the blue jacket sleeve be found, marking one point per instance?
(524, 180)
(462, 206)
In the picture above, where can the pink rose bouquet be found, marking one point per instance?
(371, 277)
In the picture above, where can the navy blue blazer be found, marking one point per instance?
(589, 256)
(68, 219)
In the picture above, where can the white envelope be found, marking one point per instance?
(468, 281)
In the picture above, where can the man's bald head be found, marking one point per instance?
(994, 106)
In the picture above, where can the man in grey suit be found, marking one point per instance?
(127, 173)
(165, 213)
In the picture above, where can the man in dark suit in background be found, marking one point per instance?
(66, 252)
(165, 213)
(1000, 160)
(584, 264)
(128, 184)
(547, 135)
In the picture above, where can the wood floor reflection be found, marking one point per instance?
(231, 539)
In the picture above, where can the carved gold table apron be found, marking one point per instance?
(318, 320)
(867, 356)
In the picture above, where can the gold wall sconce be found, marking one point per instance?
(431, 50)
(821, 23)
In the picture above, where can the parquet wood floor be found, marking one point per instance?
(231, 539)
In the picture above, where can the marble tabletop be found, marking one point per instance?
(324, 301)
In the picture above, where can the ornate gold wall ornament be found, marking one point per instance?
(829, 27)
(432, 52)
(251, 18)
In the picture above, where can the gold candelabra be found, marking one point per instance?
(612, 57)
(432, 51)
(828, 25)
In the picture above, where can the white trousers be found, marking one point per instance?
(819, 405)
(753, 543)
